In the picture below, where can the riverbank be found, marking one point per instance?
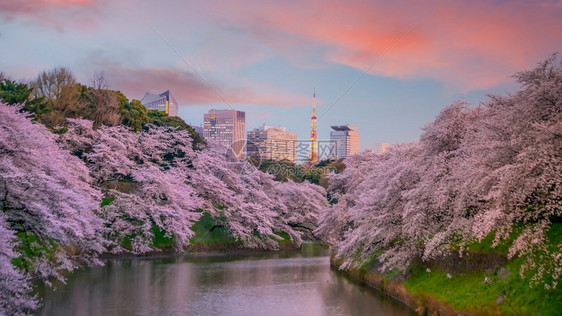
(482, 282)
(396, 289)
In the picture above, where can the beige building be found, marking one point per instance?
(381, 148)
(344, 141)
(272, 143)
(227, 127)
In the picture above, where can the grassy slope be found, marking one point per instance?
(507, 293)
(205, 234)
(219, 235)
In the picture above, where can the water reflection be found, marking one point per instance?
(287, 283)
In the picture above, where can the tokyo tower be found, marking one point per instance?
(313, 138)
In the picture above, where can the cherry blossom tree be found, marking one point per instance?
(300, 207)
(475, 171)
(375, 208)
(156, 164)
(234, 192)
(162, 201)
(250, 204)
(46, 201)
(334, 221)
(14, 283)
(517, 172)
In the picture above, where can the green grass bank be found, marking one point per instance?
(483, 282)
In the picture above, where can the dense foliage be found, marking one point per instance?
(14, 93)
(285, 170)
(475, 171)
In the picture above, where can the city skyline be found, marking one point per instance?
(274, 142)
(387, 68)
(263, 129)
(259, 138)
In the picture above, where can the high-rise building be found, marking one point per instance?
(227, 127)
(344, 140)
(164, 102)
(381, 148)
(271, 143)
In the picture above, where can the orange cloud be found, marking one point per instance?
(467, 44)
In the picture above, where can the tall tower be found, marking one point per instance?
(313, 138)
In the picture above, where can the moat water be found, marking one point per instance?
(296, 282)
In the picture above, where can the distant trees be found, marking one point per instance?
(134, 115)
(99, 104)
(475, 171)
(56, 85)
(61, 91)
(55, 95)
(283, 170)
(69, 99)
(14, 93)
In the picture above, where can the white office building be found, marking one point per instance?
(271, 143)
(344, 141)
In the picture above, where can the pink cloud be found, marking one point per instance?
(17, 6)
(134, 82)
(58, 14)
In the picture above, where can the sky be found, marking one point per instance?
(387, 67)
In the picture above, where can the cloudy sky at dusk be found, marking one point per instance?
(266, 57)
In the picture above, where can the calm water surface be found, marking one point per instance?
(284, 283)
